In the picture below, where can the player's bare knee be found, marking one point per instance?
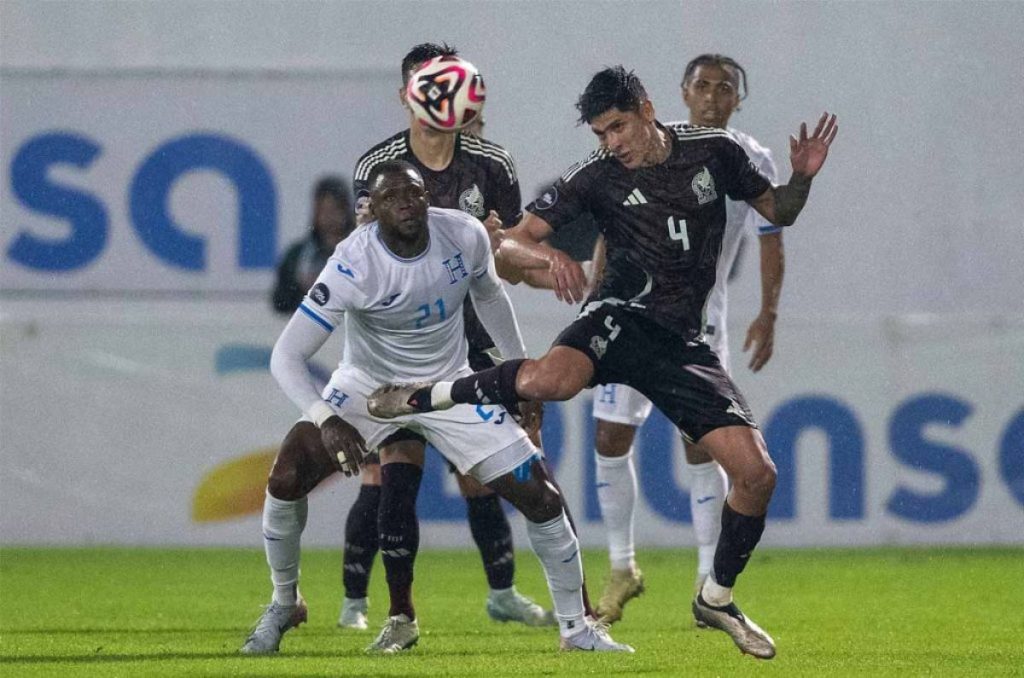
(613, 439)
(283, 482)
(759, 480)
(295, 470)
(542, 505)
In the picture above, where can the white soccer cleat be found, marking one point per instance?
(749, 637)
(353, 614)
(622, 586)
(396, 400)
(510, 605)
(276, 619)
(399, 634)
(593, 638)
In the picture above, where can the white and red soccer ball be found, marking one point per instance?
(446, 93)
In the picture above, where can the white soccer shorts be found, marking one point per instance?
(621, 404)
(482, 441)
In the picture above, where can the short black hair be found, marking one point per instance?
(722, 62)
(333, 186)
(389, 167)
(424, 52)
(614, 87)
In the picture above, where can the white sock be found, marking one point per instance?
(715, 594)
(708, 487)
(616, 494)
(283, 522)
(441, 395)
(559, 552)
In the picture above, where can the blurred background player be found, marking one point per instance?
(460, 171)
(713, 86)
(332, 221)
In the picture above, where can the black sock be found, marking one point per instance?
(739, 536)
(399, 532)
(493, 536)
(493, 386)
(360, 541)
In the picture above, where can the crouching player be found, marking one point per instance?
(402, 281)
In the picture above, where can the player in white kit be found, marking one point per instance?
(400, 283)
(713, 86)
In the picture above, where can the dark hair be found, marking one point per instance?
(614, 87)
(333, 186)
(389, 167)
(722, 62)
(424, 52)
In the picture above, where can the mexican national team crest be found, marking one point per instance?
(472, 202)
(703, 185)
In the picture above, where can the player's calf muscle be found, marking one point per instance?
(553, 378)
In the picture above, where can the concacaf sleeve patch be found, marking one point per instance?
(320, 294)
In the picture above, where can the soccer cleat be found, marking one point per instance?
(396, 400)
(510, 605)
(353, 614)
(697, 586)
(399, 633)
(593, 638)
(276, 619)
(623, 586)
(748, 636)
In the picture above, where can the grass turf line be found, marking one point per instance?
(156, 612)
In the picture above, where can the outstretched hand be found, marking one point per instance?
(567, 277)
(344, 444)
(807, 154)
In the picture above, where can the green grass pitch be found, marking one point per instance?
(152, 612)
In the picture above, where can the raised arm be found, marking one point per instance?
(781, 204)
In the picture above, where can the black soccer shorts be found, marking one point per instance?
(684, 379)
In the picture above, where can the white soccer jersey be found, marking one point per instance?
(741, 219)
(404, 315)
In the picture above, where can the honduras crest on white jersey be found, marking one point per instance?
(404, 316)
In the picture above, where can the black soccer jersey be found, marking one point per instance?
(663, 225)
(481, 177)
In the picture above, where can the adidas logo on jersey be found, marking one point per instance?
(635, 198)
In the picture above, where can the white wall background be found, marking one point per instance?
(919, 209)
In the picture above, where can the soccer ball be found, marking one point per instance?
(446, 93)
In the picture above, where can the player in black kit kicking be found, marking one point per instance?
(642, 326)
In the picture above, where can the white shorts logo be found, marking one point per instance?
(598, 345)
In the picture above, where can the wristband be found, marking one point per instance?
(320, 412)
